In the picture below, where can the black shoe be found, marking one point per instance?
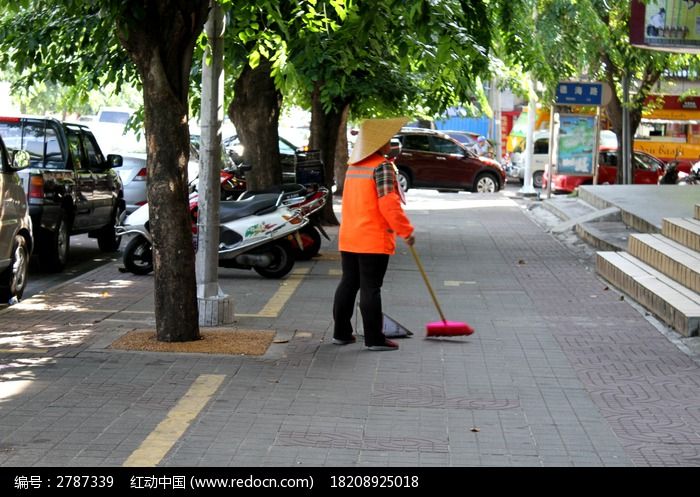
(387, 345)
(348, 341)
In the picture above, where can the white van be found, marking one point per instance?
(540, 156)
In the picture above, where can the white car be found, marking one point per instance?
(134, 173)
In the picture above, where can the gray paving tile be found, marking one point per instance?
(568, 380)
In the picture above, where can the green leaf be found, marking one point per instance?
(254, 58)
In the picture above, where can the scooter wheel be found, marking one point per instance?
(138, 256)
(282, 263)
(311, 240)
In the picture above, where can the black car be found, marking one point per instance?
(299, 164)
(432, 159)
(71, 187)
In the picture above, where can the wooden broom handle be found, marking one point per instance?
(427, 283)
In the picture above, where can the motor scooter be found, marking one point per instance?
(254, 233)
(693, 177)
(672, 176)
(309, 200)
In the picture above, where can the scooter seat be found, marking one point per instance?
(289, 190)
(230, 210)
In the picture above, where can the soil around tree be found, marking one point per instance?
(213, 341)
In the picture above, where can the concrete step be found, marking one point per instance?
(675, 304)
(605, 235)
(683, 230)
(629, 216)
(603, 228)
(566, 208)
(676, 261)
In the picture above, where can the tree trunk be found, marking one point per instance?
(255, 112)
(160, 41)
(614, 109)
(325, 126)
(341, 153)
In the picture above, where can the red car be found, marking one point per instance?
(647, 170)
(432, 159)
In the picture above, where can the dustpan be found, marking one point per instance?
(394, 329)
(390, 327)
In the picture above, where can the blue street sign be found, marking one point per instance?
(579, 93)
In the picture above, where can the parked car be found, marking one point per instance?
(133, 174)
(71, 187)
(646, 170)
(287, 149)
(109, 128)
(16, 242)
(432, 159)
(114, 115)
(291, 157)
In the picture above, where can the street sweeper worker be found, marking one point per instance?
(371, 218)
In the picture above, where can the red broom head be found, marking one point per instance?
(448, 329)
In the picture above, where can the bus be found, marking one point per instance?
(671, 130)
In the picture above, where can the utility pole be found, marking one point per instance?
(626, 145)
(496, 125)
(215, 308)
(527, 188)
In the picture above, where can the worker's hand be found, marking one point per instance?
(410, 240)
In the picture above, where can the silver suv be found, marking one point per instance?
(16, 241)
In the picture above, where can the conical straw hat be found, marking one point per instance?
(374, 133)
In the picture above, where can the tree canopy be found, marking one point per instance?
(361, 58)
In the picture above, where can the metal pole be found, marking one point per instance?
(496, 128)
(596, 146)
(626, 133)
(214, 307)
(527, 188)
(549, 167)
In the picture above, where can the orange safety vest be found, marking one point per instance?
(369, 224)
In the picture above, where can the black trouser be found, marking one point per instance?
(363, 272)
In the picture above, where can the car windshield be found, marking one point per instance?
(285, 146)
(462, 138)
(444, 146)
(643, 161)
(117, 117)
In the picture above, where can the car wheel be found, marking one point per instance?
(404, 181)
(485, 183)
(107, 239)
(14, 279)
(537, 179)
(54, 253)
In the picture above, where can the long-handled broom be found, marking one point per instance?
(442, 328)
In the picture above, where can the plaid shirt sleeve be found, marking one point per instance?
(385, 179)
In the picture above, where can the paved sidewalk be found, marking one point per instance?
(562, 370)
